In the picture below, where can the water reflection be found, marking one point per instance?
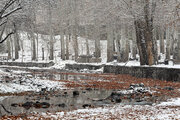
(63, 100)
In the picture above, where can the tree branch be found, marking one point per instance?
(6, 37)
(6, 6)
(3, 23)
(12, 11)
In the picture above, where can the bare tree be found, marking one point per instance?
(5, 12)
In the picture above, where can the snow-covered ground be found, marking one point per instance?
(121, 112)
(21, 81)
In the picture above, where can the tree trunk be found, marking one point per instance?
(97, 42)
(12, 47)
(162, 40)
(8, 43)
(33, 46)
(149, 33)
(75, 43)
(139, 26)
(118, 38)
(42, 53)
(16, 51)
(167, 44)
(9, 49)
(110, 43)
(144, 33)
(51, 43)
(51, 56)
(37, 46)
(62, 46)
(134, 46)
(87, 43)
(178, 43)
(124, 49)
(67, 44)
(155, 38)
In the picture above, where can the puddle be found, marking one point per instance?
(63, 100)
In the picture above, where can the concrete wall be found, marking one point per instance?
(169, 74)
(27, 64)
(82, 66)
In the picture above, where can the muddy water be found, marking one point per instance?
(63, 100)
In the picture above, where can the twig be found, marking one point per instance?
(6, 37)
(6, 109)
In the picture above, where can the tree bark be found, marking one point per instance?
(75, 43)
(167, 44)
(62, 46)
(110, 43)
(124, 49)
(37, 46)
(87, 43)
(118, 44)
(51, 56)
(9, 49)
(144, 33)
(16, 51)
(178, 43)
(33, 46)
(139, 26)
(134, 46)
(67, 44)
(97, 42)
(162, 41)
(42, 53)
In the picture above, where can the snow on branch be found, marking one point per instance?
(10, 12)
(6, 6)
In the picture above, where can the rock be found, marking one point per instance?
(83, 91)
(88, 89)
(141, 85)
(43, 89)
(14, 105)
(37, 105)
(75, 93)
(7, 70)
(86, 105)
(117, 100)
(45, 105)
(27, 105)
(132, 86)
(116, 97)
(39, 85)
(116, 93)
(168, 88)
(136, 85)
(62, 105)
(47, 98)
